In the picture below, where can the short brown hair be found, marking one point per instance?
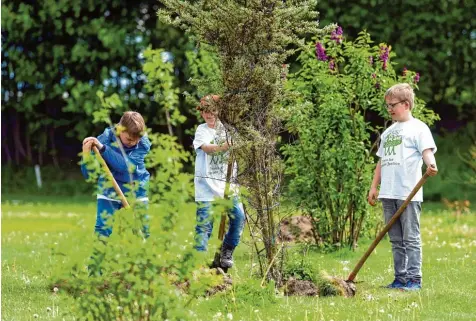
(133, 123)
(403, 92)
(208, 103)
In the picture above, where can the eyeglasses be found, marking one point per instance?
(392, 106)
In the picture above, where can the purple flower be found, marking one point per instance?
(404, 72)
(377, 85)
(332, 65)
(336, 34)
(416, 78)
(320, 52)
(384, 56)
(374, 76)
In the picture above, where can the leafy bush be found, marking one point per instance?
(132, 278)
(340, 87)
(301, 269)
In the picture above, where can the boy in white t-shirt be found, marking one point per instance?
(402, 148)
(211, 163)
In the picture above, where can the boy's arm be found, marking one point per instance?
(430, 161)
(214, 148)
(116, 160)
(202, 139)
(373, 193)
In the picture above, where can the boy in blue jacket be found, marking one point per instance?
(128, 168)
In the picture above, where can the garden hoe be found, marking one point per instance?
(353, 274)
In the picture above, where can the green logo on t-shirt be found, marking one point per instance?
(391, 142)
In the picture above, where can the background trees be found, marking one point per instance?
(57, 54)
(435, 38)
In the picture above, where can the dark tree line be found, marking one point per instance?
(57, 55)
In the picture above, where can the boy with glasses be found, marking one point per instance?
(403, 147)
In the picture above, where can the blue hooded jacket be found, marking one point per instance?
(120, 166)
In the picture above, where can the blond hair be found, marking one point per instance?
(133, 123)
(402, 92)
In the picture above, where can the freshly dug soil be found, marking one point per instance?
(300, 288)
(296, 229)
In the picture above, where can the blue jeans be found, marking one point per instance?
(204, 227)
(405, 238)
(105, 213)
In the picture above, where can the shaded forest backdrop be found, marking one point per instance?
(56, 55)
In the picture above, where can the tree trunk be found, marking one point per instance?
(19, 150)
(169, 123)
(53, 152)
(28, 145)
(6, 149)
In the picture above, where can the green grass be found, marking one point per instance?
(31, 232)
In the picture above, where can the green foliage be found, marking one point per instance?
(326, 285)
(331, 163)
(150, 279)
(300, 267)
(250, 47)
(166, 159)
(435, 38)
(133, 278)
(456, 157)
(129, 277)
(205, 71)
(56, 55)
(110, 105)
(72, 48)
(160, 82)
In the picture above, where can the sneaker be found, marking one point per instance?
(413, 285)
(226, 256)
(396, 284)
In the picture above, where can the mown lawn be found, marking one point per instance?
(32, 231)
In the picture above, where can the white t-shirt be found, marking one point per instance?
(210, 169)
(401, 159)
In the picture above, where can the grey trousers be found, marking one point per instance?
(405, 238)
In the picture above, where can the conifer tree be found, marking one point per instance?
(251, 40)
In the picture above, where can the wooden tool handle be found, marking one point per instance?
(229, 171)
(387, 227)
(111, 177)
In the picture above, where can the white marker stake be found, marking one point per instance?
(38, 175)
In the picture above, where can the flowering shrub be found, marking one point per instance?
(340, 90)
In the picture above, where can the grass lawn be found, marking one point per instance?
(32, 231)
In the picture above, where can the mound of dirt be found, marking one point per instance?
(296, 229)
(300, 288)
(327, 286)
